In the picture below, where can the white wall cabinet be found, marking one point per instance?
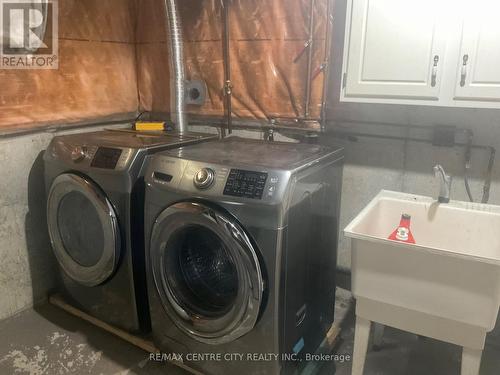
(478, 73)
(425, 52)
(395, 49)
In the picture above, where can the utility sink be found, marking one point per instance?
(446, 286)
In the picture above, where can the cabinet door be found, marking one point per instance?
(395, 49)
(478, 73)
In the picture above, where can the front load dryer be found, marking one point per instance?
(241, 239)
(95, 205)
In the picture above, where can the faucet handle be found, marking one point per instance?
(438, 168)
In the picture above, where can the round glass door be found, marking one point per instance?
(201, 271)
(206, 272)
(83, 229)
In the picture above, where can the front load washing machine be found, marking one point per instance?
(95, 186)
(241, 239)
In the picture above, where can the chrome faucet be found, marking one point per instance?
(444, 184)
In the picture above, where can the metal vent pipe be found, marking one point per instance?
(177, 72)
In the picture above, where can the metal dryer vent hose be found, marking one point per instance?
(177, 72)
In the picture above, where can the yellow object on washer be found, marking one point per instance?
(148, 126)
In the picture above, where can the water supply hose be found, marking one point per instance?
(487, 181)
(468, 146)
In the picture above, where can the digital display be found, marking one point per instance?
(246, 184)
(106, 158)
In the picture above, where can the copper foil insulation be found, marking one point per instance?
(97, 71)
(266, 38)
(113, 61)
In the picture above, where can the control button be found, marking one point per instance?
(204, 178)
(274, 180)
(272, 189)
(78, 153)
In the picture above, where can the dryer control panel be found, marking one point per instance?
(106, 158)
(85, 155)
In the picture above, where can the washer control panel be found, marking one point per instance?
(209, 181)
(246, 184)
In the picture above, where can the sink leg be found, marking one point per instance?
(378, 334)
(471, 361)
(361, 337)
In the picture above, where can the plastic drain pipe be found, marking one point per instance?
(177, 72)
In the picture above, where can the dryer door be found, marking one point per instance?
(83, 229)
(206, 272)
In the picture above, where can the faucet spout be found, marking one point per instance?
(444, 184)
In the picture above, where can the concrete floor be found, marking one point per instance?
(48, 341)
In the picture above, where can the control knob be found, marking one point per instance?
(78, 153)
(204, 178)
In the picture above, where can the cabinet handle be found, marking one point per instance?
(434, 70)
(463, 75)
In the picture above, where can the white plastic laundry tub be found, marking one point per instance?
(447, 285)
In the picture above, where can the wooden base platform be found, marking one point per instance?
(147, 345)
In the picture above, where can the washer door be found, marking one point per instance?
(83, 229)
(206, 272)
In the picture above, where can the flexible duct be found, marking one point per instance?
(177, 73)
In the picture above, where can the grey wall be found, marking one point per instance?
(25, 268)
(26, 262)
(372, 165)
